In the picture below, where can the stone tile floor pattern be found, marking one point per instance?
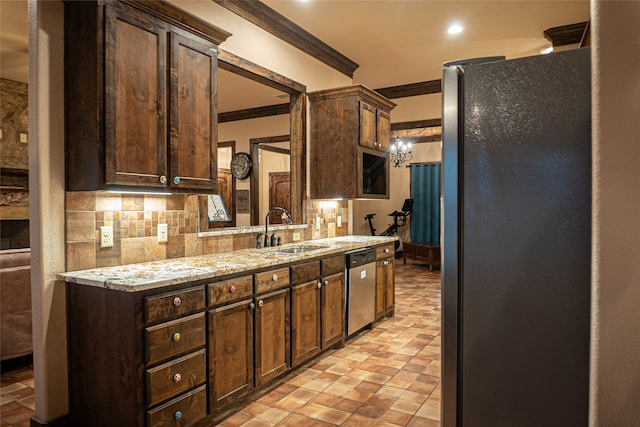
(385, 377)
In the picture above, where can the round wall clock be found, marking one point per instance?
(241, 165)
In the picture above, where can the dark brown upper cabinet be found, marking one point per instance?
(140, 98)
(350, 132)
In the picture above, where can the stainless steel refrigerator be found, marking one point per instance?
(516, 241)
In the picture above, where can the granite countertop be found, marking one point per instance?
(156, 274)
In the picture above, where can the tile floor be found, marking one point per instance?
(386, 377)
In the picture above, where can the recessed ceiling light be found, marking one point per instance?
(455, 29)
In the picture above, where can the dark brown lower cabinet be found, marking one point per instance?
(332, 310)
(385, 288)
(305, 321)
(230, 354)
(272, 343)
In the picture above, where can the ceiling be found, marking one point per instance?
(395, 42)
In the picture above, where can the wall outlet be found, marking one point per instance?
(317, 223)
(23, 138)
(106, 236)
(163, 233)
(296, 237)
(339, 220)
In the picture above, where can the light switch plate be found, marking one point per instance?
(24, 138)
(163, 233)
(296, 237)
(106, 236)
(317, 223)
(339, 220)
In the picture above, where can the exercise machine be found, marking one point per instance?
(399, 220)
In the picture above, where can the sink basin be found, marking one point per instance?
(296, 250)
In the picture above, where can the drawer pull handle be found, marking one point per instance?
(274, 277)
(319, 285)
(176, 337)
(260, 303)
(386, 262)
(177, 415)
(252, 306)
(163, 179)
(326, 283)
(232, 289)
(176, 378)
(176, 180)
(177, 301)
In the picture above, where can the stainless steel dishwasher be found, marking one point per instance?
(361, 289)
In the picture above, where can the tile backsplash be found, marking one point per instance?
(135, 220)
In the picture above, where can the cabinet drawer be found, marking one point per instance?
(304, 272)
(175, 337)
(273, 279)
(230, 290)
(334, 264)
(183, 411)
(385, 251)
(170, 305)
(175, 377)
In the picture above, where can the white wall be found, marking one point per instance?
(615, 330)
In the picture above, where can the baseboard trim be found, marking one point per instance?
(63, 421)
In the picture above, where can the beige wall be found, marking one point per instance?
(46, 192)
(615, 336)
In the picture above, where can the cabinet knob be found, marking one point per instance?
(176, 378)
(274, 277)
(260, 303)
(177, 415)
(232, 289)
(386, 262)
(252, 306)
(177, 301)
(319, 285)
(176, 180)
(386, 251)
(163, 179)
(326, 283)
(176, 337)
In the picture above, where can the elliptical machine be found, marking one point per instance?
(399, 220)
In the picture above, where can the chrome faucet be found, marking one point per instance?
(286, 219)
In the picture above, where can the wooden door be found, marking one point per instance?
(230, 354)
(225, 190)
(279, 194)
(380, 290)
(384, 130)
(332, 309)
(135, 82)
(272, 351)
(193, 119)
(305, 321)
(368, 130)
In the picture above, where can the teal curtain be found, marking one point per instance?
(425, 191)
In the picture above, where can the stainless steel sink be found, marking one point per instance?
(295, 250)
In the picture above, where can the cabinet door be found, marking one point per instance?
(192, 113)
(272, 340)
(384, 130)
(368, 129)
(390, 288)
(305, 321)
(135, 94)
(333, 308)
(380, 290)
(230, 353)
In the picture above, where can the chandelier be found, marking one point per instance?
(400, 152)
